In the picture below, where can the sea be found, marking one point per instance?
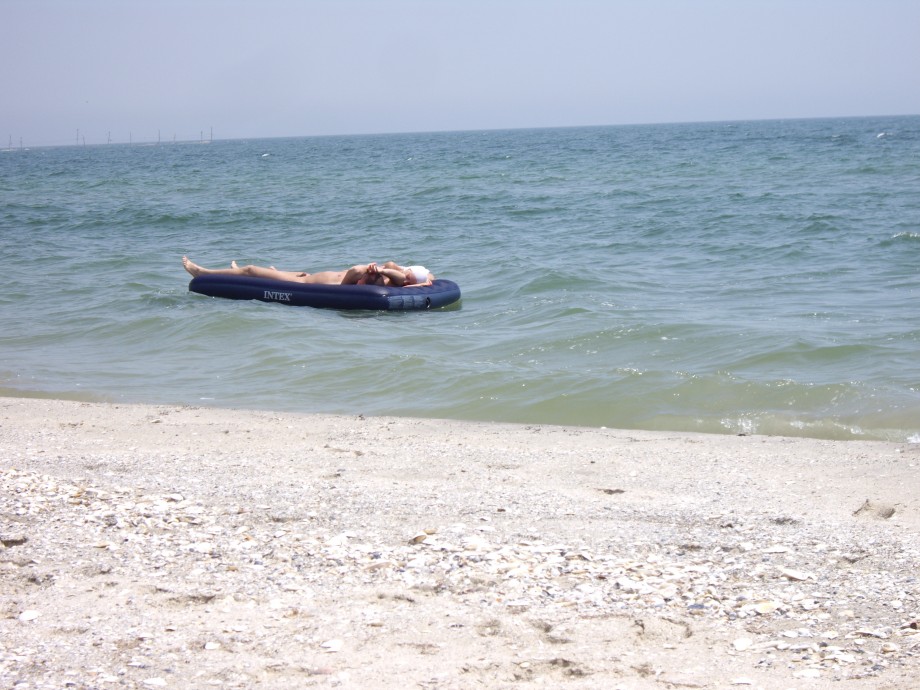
(729, 277)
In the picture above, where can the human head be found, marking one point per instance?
(416, 274)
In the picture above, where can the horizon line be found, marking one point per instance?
(174, 141)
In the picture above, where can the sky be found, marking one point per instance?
(91, 71)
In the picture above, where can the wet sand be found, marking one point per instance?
(163, 546)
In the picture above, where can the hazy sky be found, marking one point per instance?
(264, 68)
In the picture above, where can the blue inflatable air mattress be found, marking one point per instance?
(439, 294)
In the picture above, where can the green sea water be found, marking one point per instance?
(745, 277)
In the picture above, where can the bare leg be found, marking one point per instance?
(193, 268)
(323, 277)
(253, 271)
(233, 264)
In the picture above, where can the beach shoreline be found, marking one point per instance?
(173, 546)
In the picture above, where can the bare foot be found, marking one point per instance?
(233, 264)
(191, 266)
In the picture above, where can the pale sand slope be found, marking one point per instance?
(198, 548)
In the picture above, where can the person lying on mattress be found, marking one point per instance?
(364, 274)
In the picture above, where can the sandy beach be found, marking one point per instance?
(183, 547)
